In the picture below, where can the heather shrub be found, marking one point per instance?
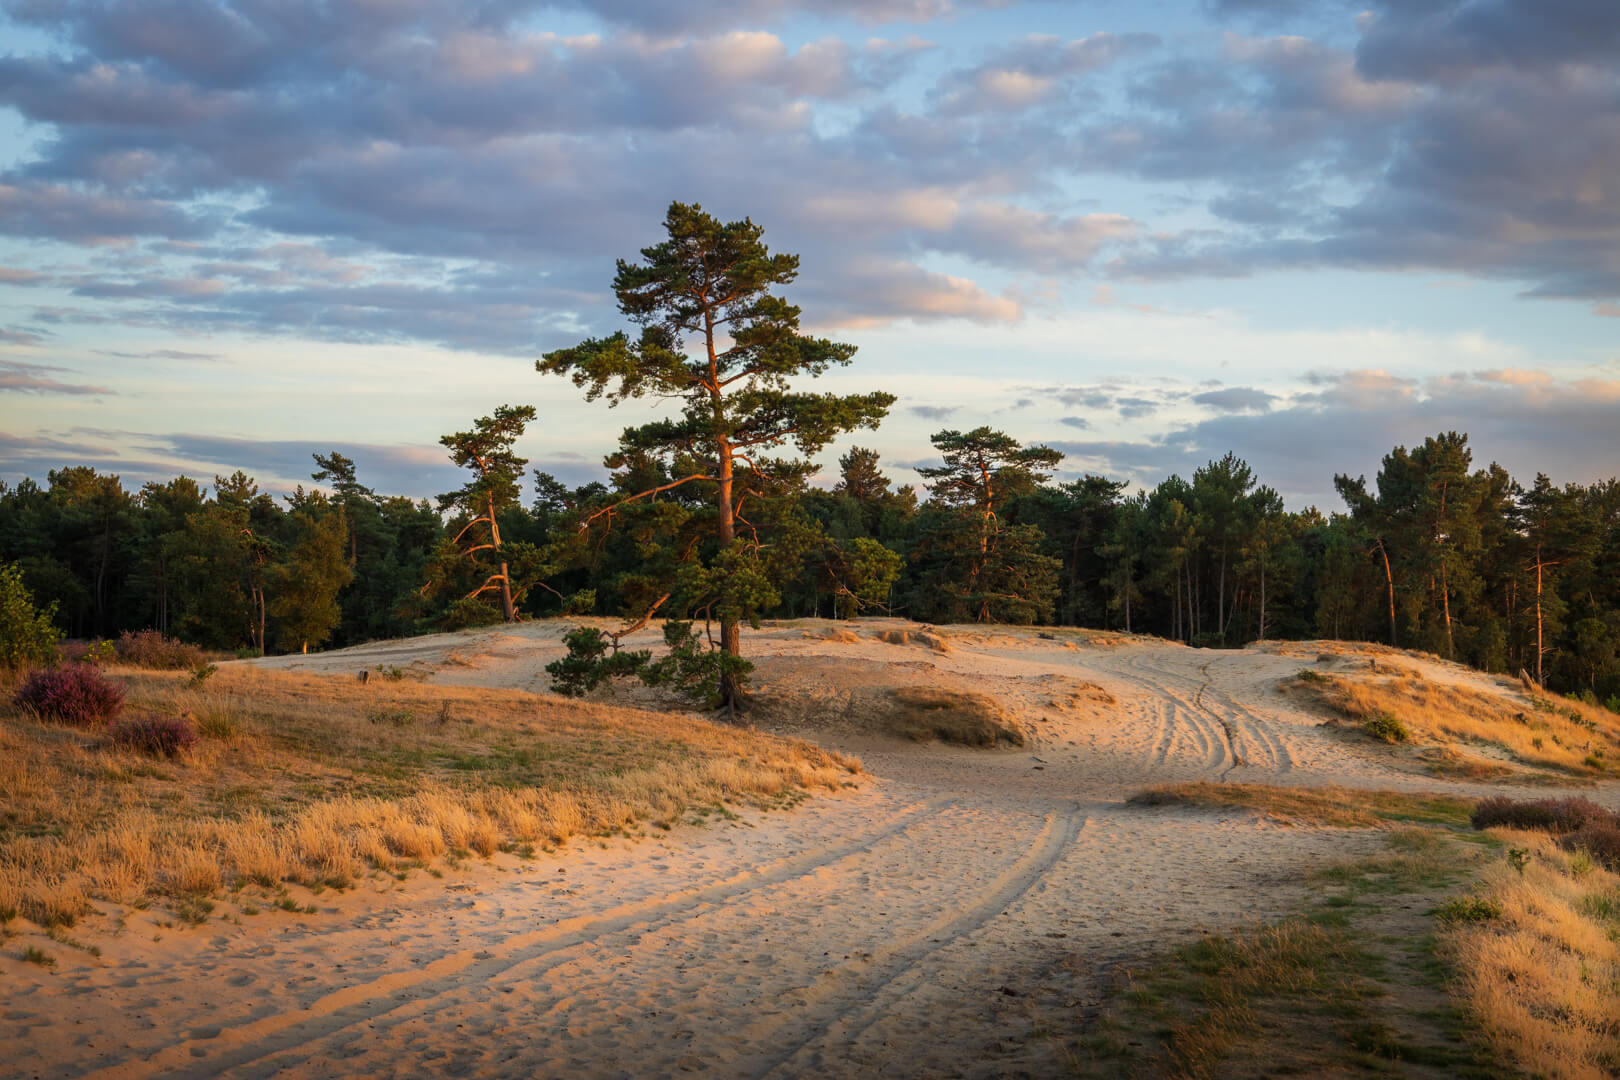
(150, 649)
(1548, 815)
(159, 736)
(77, 694)
(1599, 839)
(1579, 824)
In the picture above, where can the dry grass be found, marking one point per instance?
(1542, 978)
(322, 780)
(1558, 733)
(952, 716)
(1333, 806)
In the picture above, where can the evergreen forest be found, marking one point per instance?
(710, 515)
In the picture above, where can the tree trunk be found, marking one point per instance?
(1262, 599)
(1192, 610)
(507, 608)
(730, 629)
(1220, 603)
(1390, 579)
(1538, 614)
(1445, 603)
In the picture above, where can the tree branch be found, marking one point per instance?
(583, 525)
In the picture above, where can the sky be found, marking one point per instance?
(234, 233)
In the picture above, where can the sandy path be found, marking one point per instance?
(914, 928)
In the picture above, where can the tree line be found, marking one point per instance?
(709, 515)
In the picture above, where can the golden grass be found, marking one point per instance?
(955, 716)
(1558, 733)
(1542, 979)
(321, 780)
(1333, 806)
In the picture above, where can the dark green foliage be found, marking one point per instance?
(27, 634)
(592, 660)
(75, 694)
(695, 668)
(975, 563)
(1386, 727)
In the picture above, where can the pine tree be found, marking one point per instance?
(707, 289)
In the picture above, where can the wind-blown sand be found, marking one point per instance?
(929, 924)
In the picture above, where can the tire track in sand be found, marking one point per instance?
(850, 999)
(290, 1034)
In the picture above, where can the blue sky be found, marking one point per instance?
(234, 232)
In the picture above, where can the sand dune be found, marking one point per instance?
(914, 927)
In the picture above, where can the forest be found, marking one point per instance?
(697, 521)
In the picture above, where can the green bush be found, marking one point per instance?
(1386, 727)
(27, 634)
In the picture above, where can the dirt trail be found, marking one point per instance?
(908, 929)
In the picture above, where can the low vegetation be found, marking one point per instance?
(1398, 704)
(294, 780)
(74, 694)
(1353, 980)
(1538, 967)
(1579, 825)
(1453, 953)
(951, 716)
(1334, 806)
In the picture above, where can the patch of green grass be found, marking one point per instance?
(38, 956)
(1468, 909)
(193, 910)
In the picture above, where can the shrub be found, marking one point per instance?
(1307, 675)
(1547, 815)
(1386, 727)
(27, 635)
(77, 694)
(165, 736)
(1599, 839)
(150, 649)
(99, 653)
(1580, 824)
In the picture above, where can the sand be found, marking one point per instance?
(931, 923)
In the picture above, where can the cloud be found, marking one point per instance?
(1075, 422)
(1134, 408)
(460, 175)
(1526, 422)
(1033, 71)
(1235, 399)
(1450, 42)
(933, 412)
(160, 354)
(20, 378)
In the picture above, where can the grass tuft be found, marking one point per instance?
(968, 719)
